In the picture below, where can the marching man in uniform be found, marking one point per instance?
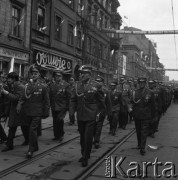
(143, 112)
(37, 106)
(87, 100)
(59, 99)
(115, 96)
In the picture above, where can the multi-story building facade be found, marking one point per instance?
(68, 33)
(59, 35)
(141, 54)
(15, 18)
(54, 45)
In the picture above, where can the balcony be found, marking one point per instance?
(114, 43)
(116, 18)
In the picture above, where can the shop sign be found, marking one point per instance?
(11, 53)
(54, 62)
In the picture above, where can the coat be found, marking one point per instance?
(36, 99)
(87, 100)
(14, 96)
(59, 96)
(4, 103)
(143, 104)
(115, 96)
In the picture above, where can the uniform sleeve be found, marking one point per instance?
(73, 103)
(101, 100)
(153, 105)
(108, 104)
(68, 95)
(46, 102)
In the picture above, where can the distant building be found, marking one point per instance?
(141, 53)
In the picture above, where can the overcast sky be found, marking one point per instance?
(155, 15)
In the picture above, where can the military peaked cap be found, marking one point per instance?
(85, 68)
(34, 69)
(58, 74)
(151, 82)
(113, 84)
(142, 79)
(122, 79)
(99, 79)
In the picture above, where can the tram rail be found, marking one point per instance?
(88, 172)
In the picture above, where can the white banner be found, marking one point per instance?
(124, 65)
(11, 65)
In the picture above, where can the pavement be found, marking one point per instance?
(160, 161)
(62, 164)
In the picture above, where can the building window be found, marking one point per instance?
(94, 48)
(80, 7)
(100, 50)
(79, 39)
(41, 17)
(88, 44)
(70, 40)
(15, 21)
(58, 28)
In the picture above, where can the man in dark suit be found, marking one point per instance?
(143, 112)
(13, 95)
(87, 100)
(59, 100)
(4, 109)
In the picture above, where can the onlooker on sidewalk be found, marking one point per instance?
(16, 91)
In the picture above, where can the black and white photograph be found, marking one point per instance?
(88, 89)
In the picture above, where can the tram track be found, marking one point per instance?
(85, 174)
(36, 157)
(88, 172)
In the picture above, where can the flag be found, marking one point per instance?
(83, 36)
(75, 31)
(11, 65)
(82, 8)
(43, 28)
(124, 65)
(21, 19)
(20, 70)
(62, 22)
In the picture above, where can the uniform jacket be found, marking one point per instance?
(17, 91)
(125, 99)
(115, 96)
(59, 96)
(87, 100)
(107, 99)
(158, 100)
(37, 100)
(143, 104)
